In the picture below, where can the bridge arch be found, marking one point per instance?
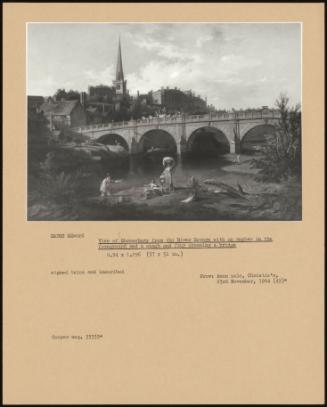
(208, 141)
(157, 140)
(113, 139)
(256, 137)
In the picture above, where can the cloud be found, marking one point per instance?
(234, 65)
(201, 40)
(165, 50)
(103, 76)
(233, 61)
(42, 87)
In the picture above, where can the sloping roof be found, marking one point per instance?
(35, 99)
(63, 108)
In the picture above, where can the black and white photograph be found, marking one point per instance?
(164, 121)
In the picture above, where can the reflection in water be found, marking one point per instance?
(209, 145)
(147, 166)
(194, 161)
(207, 149)
(118, 168)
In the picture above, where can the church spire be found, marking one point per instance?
(119, 67)
(119, 83)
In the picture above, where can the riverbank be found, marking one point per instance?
(255, 201)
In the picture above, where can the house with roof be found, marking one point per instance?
(64, 113)
(34, 102)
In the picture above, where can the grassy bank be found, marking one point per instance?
(69, 198)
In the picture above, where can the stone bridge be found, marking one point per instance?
(230, 129)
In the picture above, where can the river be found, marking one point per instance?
(142, 169)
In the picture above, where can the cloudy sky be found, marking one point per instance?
(233, 65)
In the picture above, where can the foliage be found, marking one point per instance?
(70, 95)
(67, 135)
(39, 137)
(137, 110)
(123, 112)
(140, 110)
(281, 156)
(60, 187)
(68, 160)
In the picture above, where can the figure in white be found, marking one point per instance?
(166, 177)
(105, 187)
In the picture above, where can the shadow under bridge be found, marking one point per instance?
(207, 142)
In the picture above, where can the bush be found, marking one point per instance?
(38, 140)
(60, 187)
(281, 157)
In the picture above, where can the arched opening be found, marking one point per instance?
(113, 140)
(256, 138)
(152, 147)
(207, 142)
(156, 142)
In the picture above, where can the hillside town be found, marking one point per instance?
(104, 103)
(103, 153)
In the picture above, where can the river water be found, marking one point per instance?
(140, 170)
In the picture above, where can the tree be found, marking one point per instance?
(123, 112)
(136, 110)
(39, 137)
(281, 156)
(60, 94)
(73, 95)
(70, 95)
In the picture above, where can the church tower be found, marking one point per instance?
(119, 83)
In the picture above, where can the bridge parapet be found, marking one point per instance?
(169, 119)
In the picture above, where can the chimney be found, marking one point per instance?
(83, 98)
(51, 122)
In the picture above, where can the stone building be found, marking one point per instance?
(34, 102)
(173, 100)
(102, 102)
(100, 93)
(65, 113)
